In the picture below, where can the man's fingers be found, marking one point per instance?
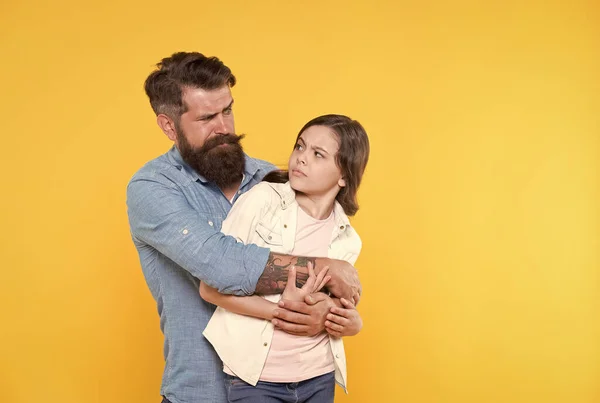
(292, 328)
(356, 297)
(292, 317)
(315, 298)
(293, 306)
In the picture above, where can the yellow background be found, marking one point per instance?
(479, 207)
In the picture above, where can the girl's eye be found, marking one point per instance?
(318, 154)
(298, 147)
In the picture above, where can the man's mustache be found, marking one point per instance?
(228, 138)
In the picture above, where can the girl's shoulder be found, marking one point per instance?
(279, 192)
(348, 234)
(267, 193)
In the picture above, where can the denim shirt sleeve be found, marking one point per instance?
(161, 217)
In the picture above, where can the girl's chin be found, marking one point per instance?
(295, 186)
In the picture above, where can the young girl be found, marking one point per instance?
(306, 216)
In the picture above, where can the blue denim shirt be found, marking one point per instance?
(175, 217)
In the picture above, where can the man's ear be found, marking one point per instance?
(167, 125)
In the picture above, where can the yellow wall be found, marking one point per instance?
(479, 209)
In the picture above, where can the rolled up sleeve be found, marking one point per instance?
(161, 217)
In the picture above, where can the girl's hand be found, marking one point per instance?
(313, 284)
(343, 321)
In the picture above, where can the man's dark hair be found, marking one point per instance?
(165, 86)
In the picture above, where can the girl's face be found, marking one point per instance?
(312, 167)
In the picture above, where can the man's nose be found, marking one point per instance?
(221, 125)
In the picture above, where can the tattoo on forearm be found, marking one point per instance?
(303, 261)
(274, 277)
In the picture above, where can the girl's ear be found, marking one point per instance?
(342, 183)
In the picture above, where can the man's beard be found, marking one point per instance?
(218, 163)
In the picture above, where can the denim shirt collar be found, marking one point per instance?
(174, 156)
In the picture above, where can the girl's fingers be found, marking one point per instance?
(347, 304)
(319, 282)
(320, 286)
(291, 282)
(333, 326)
(341, 312)
(339, 320)
(333, 332)
(310, 282)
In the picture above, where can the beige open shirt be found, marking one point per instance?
(266, 216)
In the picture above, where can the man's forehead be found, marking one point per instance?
(208, 100)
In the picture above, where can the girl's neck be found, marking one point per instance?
(318, 207)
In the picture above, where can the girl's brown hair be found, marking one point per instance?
(351, 158)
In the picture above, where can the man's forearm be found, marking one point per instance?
(343, 278)
(275, 275)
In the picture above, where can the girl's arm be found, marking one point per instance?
(252, 305)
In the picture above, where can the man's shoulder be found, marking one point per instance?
(262, 167)
(263, 163)
(157, 164)
(161, 169)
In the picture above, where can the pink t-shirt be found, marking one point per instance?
(296, 358)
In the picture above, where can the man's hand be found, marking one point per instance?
(343, 321)
(303, 318)
(313, 284)
(344, 282)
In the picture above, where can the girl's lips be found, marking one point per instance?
(297, 172)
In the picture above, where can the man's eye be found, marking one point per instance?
(227, 111)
